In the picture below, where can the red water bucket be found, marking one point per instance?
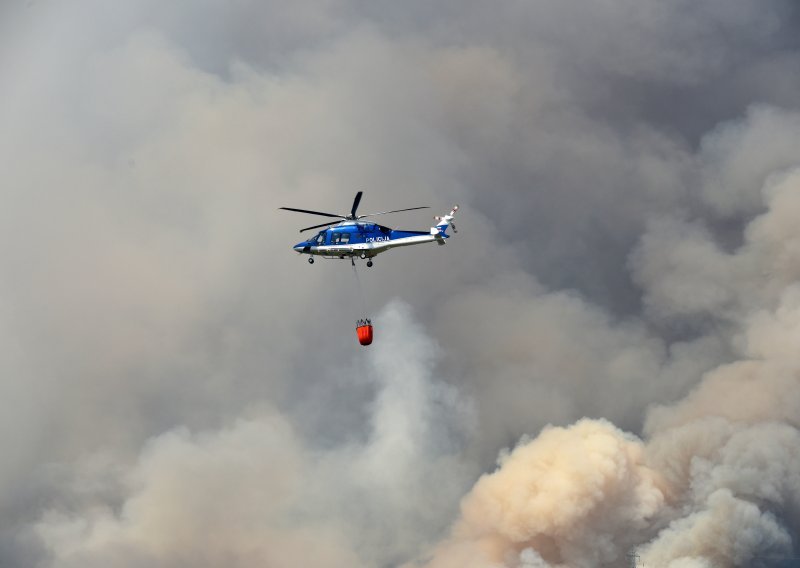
(364, 332)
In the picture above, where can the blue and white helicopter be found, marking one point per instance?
(350, 237)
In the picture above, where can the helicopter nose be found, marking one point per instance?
(299, 247)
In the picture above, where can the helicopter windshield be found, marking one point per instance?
(319, 239)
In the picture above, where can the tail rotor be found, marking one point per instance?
(443, 222)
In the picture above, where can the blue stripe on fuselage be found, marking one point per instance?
(359, 234)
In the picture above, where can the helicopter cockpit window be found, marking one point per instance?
(319, 240)
(340, 238)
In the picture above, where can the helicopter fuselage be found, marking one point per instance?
(365, 240)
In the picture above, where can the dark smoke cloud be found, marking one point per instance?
(178, 388)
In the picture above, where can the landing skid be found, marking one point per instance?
(352, 260)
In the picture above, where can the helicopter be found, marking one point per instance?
(349, 237)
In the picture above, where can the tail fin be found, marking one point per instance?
(444, 222)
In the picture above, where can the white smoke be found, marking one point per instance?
(254, 493)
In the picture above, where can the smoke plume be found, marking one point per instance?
(715, 480)
(617, 318)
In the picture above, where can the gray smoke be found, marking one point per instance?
(716, 480)
(619, 307)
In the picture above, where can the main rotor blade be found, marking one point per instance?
(356, 201)
(313, 212)
(318, 226)
(395, 211)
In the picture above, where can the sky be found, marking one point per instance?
(602, 361)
